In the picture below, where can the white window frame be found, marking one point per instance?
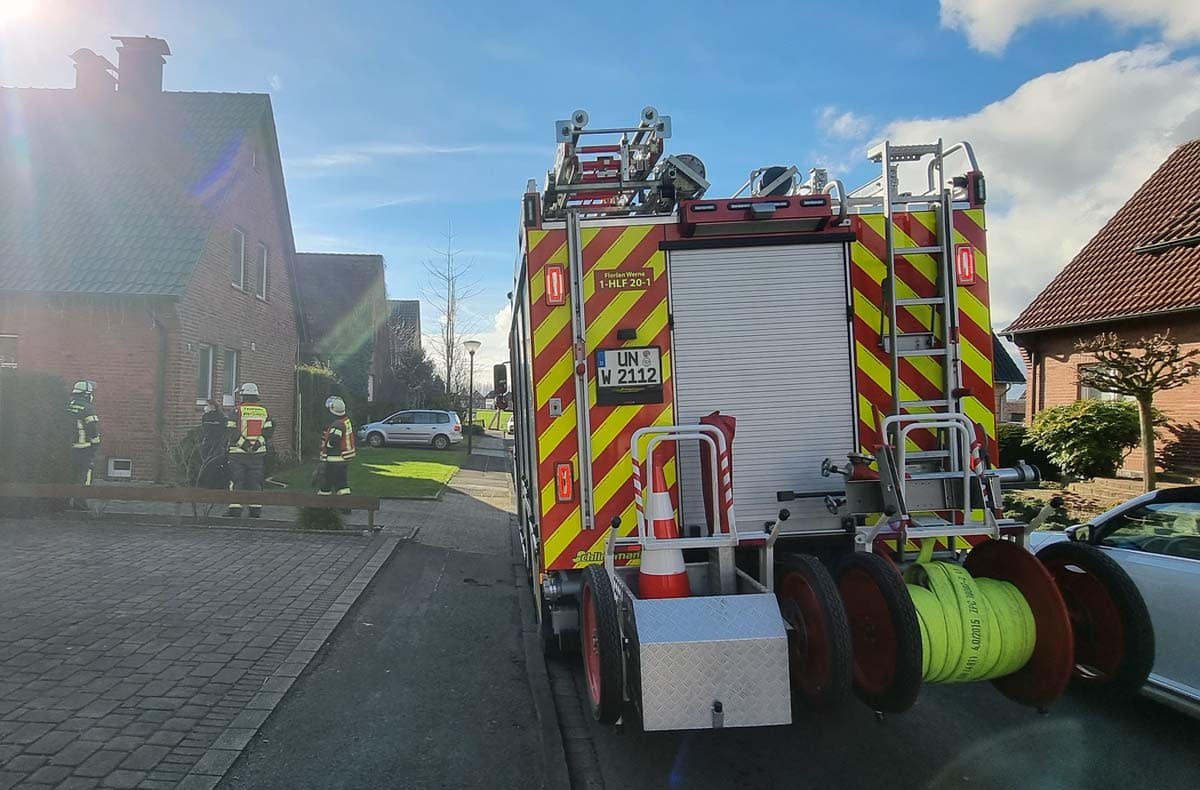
(210, 351)
(261, 270)
(16, 342)
(120, 468)
(230, 381)
(240, 235)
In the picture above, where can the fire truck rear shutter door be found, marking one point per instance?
(761, 334)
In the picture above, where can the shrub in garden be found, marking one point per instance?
(35, 435)
(1088, 438)
(319, 518)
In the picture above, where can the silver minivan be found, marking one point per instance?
(415, 426)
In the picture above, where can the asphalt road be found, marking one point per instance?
(966, 736)
(424, 683)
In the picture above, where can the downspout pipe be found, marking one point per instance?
(160, 394)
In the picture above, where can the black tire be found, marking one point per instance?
(441, 442)
(600, 644)
(1114, 637)
(820, 655)
(375, 439)
(884, 631)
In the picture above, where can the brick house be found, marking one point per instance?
(1139, 275)
(145, 243)
(345, 314)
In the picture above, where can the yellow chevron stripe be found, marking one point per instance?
(561, 538)
(622, 471)
(558, 374)
(551, 325)
(970, 306)
(974, 359)
(928, 367)
(980, 413)
(558, 430)
(629, 516)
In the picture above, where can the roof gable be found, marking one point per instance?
(333, 288)
(114, 196)
(1145, 260)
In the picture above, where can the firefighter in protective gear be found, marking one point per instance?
(85, 437)
(337, 448)
(250, 429)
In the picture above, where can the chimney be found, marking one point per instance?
(140, 65)
(94, 75)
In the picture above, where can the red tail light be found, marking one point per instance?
(457, 427)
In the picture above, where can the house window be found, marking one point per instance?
(261, 284)
(239, 259)
(120, 468)
(231, 377)
(1091, 393)
(8, 351)
(204, 374)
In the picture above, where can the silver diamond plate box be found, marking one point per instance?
(712, 661)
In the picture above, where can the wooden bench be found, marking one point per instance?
(181, 495)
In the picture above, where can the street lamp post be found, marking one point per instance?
(471, 346)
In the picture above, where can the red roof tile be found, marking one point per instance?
(1145, 260)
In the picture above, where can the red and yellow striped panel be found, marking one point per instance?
(565, 544)
(553, 365)
(921, 378)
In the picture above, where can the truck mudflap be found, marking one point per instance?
(707, 662)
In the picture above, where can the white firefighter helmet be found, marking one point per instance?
(249, 388)
(336, 405)
(84, 388)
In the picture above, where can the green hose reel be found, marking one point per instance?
(971, 629)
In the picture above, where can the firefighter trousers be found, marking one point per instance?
(82, 459)
(246, 474)
(334, 481)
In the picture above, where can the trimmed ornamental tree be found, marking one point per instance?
(1139, 369)
(1087, 438)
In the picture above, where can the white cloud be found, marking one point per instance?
(990, 24)
(843, 124)
(1063, 153)
(493, 341)
(367, 153)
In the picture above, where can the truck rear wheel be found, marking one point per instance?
(1114, 638)
(600, 644)
(884, 630)
(820, 659)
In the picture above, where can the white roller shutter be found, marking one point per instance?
(761, 334)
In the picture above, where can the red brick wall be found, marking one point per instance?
(111, 341)
(115, 342)
(1052, 361)
(217, 314)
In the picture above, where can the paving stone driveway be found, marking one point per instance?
(149, 656)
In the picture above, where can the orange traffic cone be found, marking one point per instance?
(662, 573)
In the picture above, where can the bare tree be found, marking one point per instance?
(449, 284)
(1138, 369)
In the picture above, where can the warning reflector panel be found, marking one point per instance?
(964, 264)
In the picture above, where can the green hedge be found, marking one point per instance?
(35, 435)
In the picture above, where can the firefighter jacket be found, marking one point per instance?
(337, 445)
(250, 429)
(86, 431)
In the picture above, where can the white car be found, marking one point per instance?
(1155, 538)
(510, 427)
(416, 426)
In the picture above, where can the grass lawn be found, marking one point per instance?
(485, 416)
(388, 471)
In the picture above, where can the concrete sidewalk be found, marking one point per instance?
(426, 684)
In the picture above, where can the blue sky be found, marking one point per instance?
(398, 118)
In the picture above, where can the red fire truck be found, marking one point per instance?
(822, 356)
